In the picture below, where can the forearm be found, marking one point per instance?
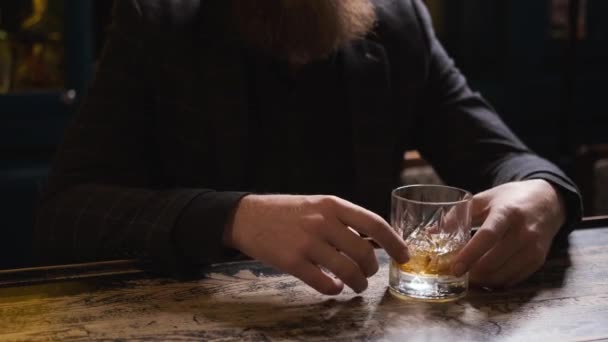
(201, 228)
(102, 222)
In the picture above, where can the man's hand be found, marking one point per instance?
(306, 235)
(518, 222)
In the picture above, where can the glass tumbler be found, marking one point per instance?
(435, 223)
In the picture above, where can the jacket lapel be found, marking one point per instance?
(369, 95)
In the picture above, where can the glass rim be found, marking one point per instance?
(468, 196)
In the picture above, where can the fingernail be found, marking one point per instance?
(361, 289)
(459, 269)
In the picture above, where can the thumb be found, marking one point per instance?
(480, 208)
(492, 230)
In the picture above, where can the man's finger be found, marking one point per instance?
(340, 265)
(351, 244)
(498, 255)
(492, 231)
(517, 268)
(480, 209)
(522, 274)
(372, 225)
(317, 279)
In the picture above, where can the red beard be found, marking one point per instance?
(300, 31)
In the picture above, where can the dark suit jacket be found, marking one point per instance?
(151, 165)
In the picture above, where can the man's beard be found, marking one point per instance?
(300, 31)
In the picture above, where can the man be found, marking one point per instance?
(204, 113)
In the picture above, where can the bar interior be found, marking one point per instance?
(239, 170)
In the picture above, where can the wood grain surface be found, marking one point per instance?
(566, 301)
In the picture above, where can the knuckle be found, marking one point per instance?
(367, 260)
(514, 212)
(328, 202)
(533, 235)
(315, 223)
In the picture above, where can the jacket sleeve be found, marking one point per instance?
(106, 196)
(461, 135)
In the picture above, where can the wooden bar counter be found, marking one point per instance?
(246, 301)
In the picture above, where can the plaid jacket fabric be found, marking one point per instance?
(151, 166)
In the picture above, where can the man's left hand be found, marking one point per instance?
(518, 223)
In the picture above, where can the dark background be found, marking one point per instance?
(549, 90)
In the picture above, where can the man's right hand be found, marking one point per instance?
(305, 235)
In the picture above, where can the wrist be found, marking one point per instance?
(240, 216)
(558, 203)
(228, 235)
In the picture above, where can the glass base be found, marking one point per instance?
(428, 288)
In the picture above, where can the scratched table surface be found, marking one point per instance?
(246, 301)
